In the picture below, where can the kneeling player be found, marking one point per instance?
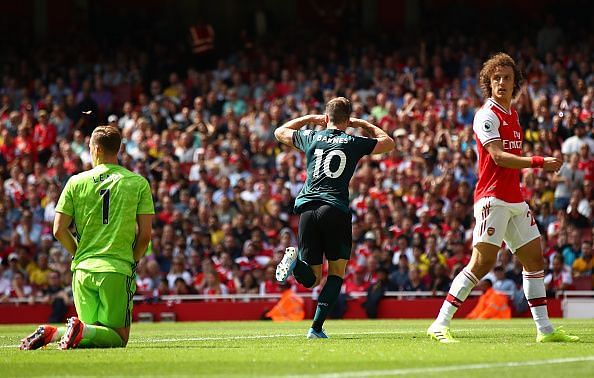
(112, 209)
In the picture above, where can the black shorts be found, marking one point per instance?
(324, 230)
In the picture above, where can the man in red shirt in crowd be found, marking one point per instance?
(44, 136)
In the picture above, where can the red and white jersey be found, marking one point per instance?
(492, 122)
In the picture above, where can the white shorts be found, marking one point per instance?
(498, 221)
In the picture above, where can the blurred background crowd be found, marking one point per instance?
(200, 127)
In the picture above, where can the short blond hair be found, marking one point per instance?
(108, 138)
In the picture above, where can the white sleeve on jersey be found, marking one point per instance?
(486, 126)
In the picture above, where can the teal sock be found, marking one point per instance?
(95, 336)
(326, 301)
(304, 274)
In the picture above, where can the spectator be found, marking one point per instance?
(57, 297)
(571, 251)
(19, 289)
(234, 105)
(568, 178)
(465, 114)
(414, 281)
(459, 257)
(4, 282)
(13, 267)
(28, 231)
(559, 278)
(440, 279)
(270, 285)
(502, 283)
(178, 271)
(376, 292)
(180, 287)
(44, 136)
(430, 253)
(399, 277)
(356, 283)
(573, 144)
(582, 266)
(213, 285)
(249, 285)
(40, 274)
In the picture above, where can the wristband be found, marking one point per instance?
(537, 161)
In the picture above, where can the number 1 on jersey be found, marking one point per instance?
(105, 194)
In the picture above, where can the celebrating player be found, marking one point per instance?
(499, 209)
(325, 223)
(112, 209)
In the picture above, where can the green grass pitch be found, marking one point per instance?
(367, 348)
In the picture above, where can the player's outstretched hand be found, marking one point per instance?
(552, 164)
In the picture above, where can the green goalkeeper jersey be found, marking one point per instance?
(104, 203)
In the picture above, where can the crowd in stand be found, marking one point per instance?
(224, 188)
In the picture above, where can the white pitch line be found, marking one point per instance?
(255, 337)
(248, 337)
(442, 369)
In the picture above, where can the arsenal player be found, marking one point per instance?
(499, 209)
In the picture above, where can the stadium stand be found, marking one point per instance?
(224, 188)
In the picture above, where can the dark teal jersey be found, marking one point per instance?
(332, 157)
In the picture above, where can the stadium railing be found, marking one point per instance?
(248, 297)
(360, 294)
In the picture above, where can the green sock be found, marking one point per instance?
(95, 336)
(304, 274)
(326, 301)
(59, 333)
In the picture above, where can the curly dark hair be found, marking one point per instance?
(499, 60)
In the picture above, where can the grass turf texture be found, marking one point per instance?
(356, 349)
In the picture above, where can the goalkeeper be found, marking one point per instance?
(112, 210)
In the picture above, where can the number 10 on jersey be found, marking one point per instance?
(319, 154)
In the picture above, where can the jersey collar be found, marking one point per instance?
(499, 106)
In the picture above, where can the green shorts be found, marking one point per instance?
(104, 298)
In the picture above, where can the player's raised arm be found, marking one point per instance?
(507, 160)
(284, 133)
(384, 142)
